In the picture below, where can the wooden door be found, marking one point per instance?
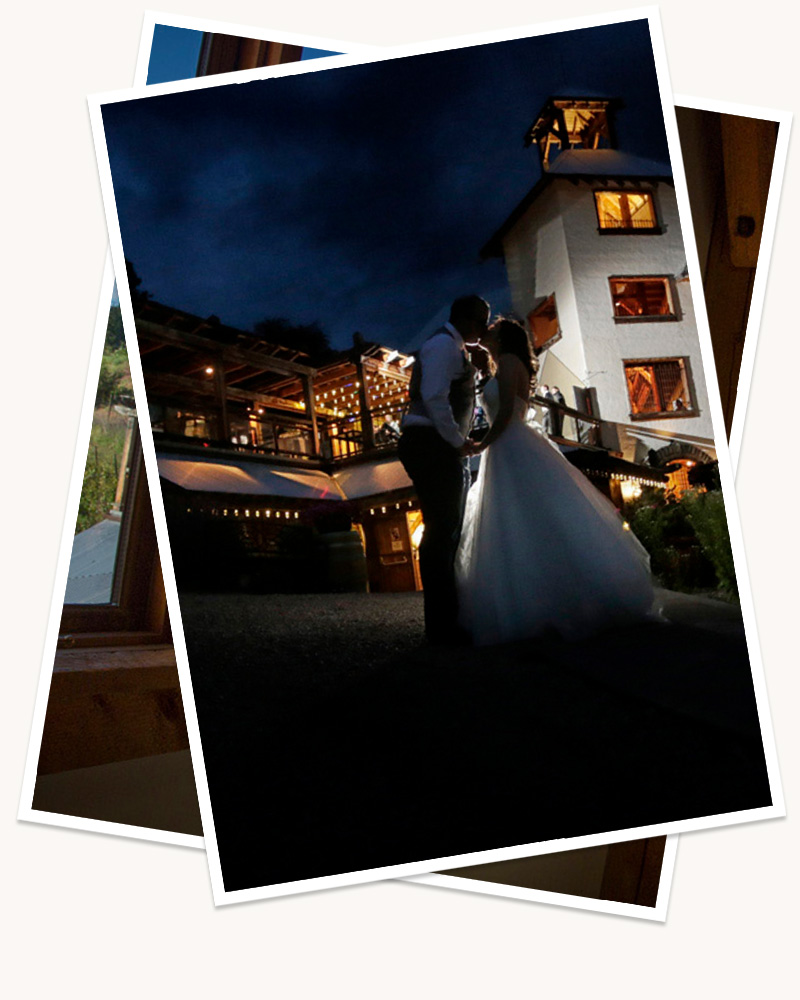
(389, 555)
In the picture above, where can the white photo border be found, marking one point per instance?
(657, 912)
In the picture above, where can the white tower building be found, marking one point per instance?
(596, 264)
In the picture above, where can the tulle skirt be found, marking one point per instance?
(543, 550)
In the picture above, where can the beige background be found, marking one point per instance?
(101, 916)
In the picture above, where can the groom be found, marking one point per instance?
(434, 447)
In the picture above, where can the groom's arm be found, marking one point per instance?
(442, 363)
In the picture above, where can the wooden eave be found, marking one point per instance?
(227, 353)
(165, 383)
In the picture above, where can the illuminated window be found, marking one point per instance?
(626, 211)
(642, 298)
(658, 388)
(543, 323)
(194, 423)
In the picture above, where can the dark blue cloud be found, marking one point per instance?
(357, 197)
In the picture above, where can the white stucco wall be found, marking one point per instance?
(594, 258)
(556, 247)
(538, 264)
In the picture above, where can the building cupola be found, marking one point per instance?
(572, 123)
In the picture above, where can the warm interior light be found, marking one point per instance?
(630, 490)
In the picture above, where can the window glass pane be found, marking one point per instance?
(657, 386)
(641, 297)
(625, 210)
(543, 322)
(93, 563)
(194, 423)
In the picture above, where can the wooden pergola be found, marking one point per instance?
(200, 362)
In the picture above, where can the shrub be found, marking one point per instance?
(102, 469)
(114, 376)
(706, 513)
(662, 525)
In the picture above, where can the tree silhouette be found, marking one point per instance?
(308, 338)
(138, 296)
(115, 335)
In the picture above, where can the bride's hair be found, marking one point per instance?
(512, 338)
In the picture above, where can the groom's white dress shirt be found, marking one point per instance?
(443, 359)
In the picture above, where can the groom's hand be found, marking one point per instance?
(469, 447)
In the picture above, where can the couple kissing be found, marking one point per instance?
(532, 546)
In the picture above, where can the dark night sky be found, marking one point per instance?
(356, 197)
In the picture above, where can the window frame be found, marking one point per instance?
(672, 299)
(556, 336)
(687, 412)
(137, 613)
(656, 230)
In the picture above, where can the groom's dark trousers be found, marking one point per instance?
(441, 479)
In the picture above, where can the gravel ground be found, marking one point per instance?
(336, 740)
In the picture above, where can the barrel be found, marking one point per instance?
(344, 565)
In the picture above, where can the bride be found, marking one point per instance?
(541, 548)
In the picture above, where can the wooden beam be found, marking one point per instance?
(367, 429)
(222, 401)
(262, 381)
(308, 395)
(227, 353)
(374, 366)
(167, 382)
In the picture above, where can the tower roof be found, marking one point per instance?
(611, 163)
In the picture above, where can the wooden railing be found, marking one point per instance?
(348, 437)
(565, 424)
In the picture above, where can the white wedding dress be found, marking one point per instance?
(541, 548)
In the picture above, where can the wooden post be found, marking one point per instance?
(367, 430)
(311, 411)
(222, 399)
(122, 477)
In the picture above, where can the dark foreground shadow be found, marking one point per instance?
(334, 741)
